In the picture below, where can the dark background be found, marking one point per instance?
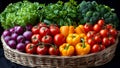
(4, 63)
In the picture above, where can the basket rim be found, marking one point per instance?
(54, 56)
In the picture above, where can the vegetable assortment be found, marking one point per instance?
(63, 29)
(60, 13)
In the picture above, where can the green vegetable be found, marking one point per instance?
(60, 13)
(91, 12)
(20, 13)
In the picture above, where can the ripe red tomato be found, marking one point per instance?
(95, 48)
(44, 31)
(97, 38)
(90, 34)
(90, 41)
(87, 27)
(47, 39)
(59, 39)
(113, 32)
(41, 24)
(30, 48)
(35, 30)
(53, 50)
(35, 38)
(104, 32)
(102, 47)
(109, 26)
(106, 41)
(101, 22)
(96, 28)
(112, 40)
(54, 30)
(42, 50)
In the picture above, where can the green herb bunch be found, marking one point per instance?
(60, 13)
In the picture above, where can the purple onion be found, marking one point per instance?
(14, 36)
(6, 33)
(20, 38)
(12, 44)
(7, 38)
(27, 35)
(12, 30)
(19, 29)
(26, 42)
(20, 47)
(29, 27)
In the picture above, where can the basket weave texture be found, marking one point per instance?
(47, 61)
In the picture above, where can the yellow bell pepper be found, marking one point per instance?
(66, 49)
(73, 39)
(82, 48)
(79, 29)
(65, 30)
(83, 36)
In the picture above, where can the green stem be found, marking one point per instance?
(83, 43)
(67, 46)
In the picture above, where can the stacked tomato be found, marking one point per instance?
(45, 40)
(100, 35)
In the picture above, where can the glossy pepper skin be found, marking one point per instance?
(73, 39)
(65, 30)
(82, 48)
(66, 49)
(79, 29)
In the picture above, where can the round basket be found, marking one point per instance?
(46, 61)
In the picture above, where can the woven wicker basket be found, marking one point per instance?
(46, 61)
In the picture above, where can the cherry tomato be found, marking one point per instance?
(101, 22)
(41, 24)
(96, 28)
(54, 30)
(97, 38)
(35, 30)
(59, 39)
(95, 48)
(35, 38)
(113, 32)
(44, 31)
(42, 50)
(104, 32)
(87, 27)
(112, 40)
(90, 41)
(30, 48)
(102, 47)
(106, 41)
(109, 26)
(90, 34)
(47, 39)
(53, 50)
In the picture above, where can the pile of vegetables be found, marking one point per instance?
(64, 29)
(43, 39)
(68, 13)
